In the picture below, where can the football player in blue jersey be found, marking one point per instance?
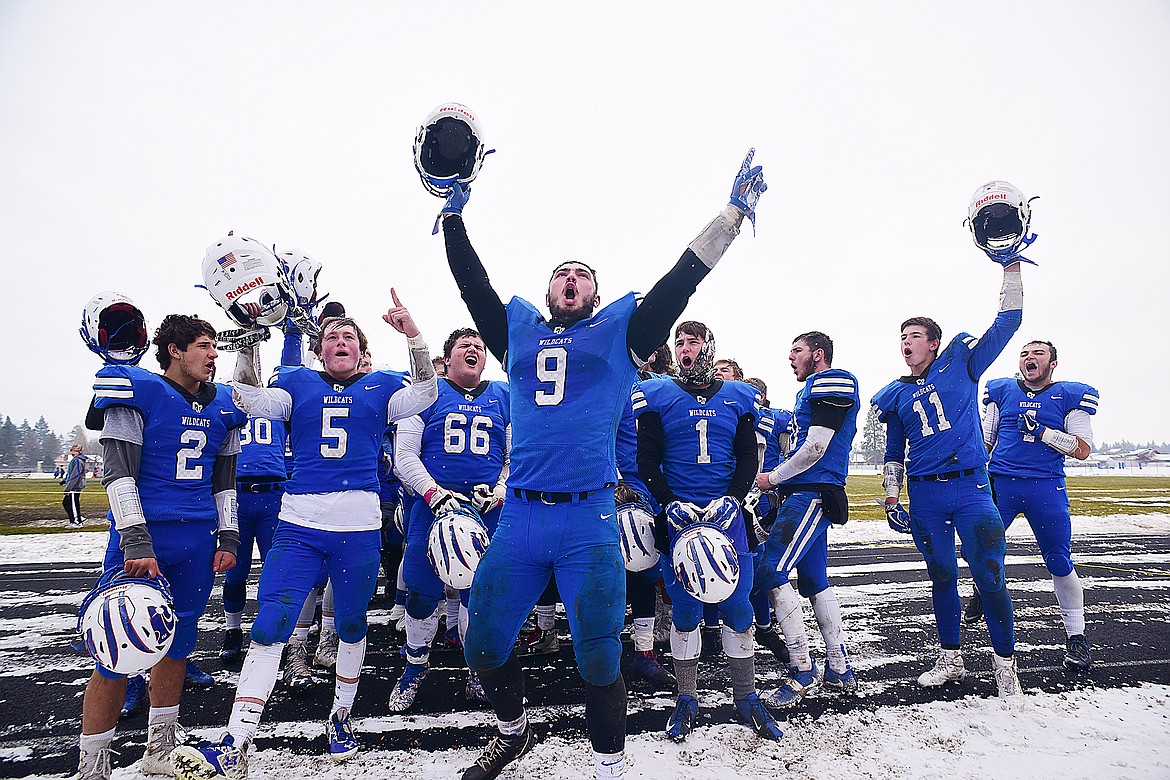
(260, 476)
(329, 517)
(935, 410)
(169, 445)
(811, 484)
(570, 375)
(1030, 425)
(698, 455)
(455, 452)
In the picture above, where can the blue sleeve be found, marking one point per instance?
(993, 341)
(895, 440)
(1088, 398)
(291, 354)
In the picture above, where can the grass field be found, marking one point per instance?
(34, 506)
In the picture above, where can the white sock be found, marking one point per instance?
(349, 668)
(828, 612)
(233, 619)
(464, 618)
(257, 678)
(452, 608)
(513, 727)
(643, 634)
(790, 616)
(609, 764)
(546, 616)
(419, 635)
(1070, 595)
(162, 715)
(95, 742)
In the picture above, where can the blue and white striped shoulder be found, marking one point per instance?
(833, 383)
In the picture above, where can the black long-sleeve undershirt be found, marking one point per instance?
(649, 325)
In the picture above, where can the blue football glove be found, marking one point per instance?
(1006, 257)
(747, 188)
(721, 512)
(454, 203)
(1030, 426)
(680, 514)
(896, 516)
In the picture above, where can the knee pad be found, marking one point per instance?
(738, 616)
(420, 606)
(599, 660)
(351, 628)
(685, 645)
(809, 585)
(685, 616)
(186, 632)
(1059, 564)
(274, 624)
(738, 644)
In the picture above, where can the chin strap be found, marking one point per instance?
(1008, 256)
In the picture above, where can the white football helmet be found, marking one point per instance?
(113, 327)
(705, 563)
(998, 217)
(457, 542)
(127, 623)
(237, 270)
(636, 526)
(448, 148)
(302, 271)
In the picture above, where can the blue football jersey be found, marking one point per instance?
(568, 389)
(833, 466)
(627, 452)
(698, 458)
(1018, 454)
(773, 424)
(262, 443)
(180, 440)
(464, 435)
(335, 430)
(939, 412)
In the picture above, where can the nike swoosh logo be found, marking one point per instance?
(728, 402)
(371, 387)
(1060, 490)
(981, 486)
(595, 324)
(225, 411)
(606, 517)
(944, 368)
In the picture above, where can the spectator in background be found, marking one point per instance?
(74, 483)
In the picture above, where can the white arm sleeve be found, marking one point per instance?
(502, 480)
(805, 456)
(407, 464)
(1079, 423)
(990, 424)
(1011, 295)
(272, 402)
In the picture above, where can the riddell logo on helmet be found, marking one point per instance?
(459, 110)
(243, 288)
(989, 198)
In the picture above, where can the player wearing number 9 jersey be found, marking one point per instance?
(330, 517)
(570, 376)
(936, 411)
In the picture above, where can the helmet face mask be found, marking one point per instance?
(998, 217)
(115, 329)
(448, 148)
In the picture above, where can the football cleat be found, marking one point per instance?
(501, 751)
(1007, 682)
(648, 667)
(406, 689)
(770, 638)
(326, 655)
(232, 650)
(96, 764)
(796, 686)
(297, 676)
(682, 721)
(753, 714)
(474, 690)
(135, 695)
(974, 611)
(842, 682)
(196, 677)
(343, 743)
(211, 760)
(161, 740)
(451, 640)
(948, 668)
(1076, 655)
(540, 641)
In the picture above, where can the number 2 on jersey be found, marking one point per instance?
(943, 423)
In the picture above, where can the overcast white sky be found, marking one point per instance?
(133, 135)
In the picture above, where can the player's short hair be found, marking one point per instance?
(180, 330)
(662, 361)
(592, 272)
(1049, 344)
(449, 344)
(817, 340)
(333, 323)
(736, 370)
(933, 331)
(758, 383)
(693, 328)
(440, 366)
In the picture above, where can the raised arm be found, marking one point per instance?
(1007, 322)
(485, 306)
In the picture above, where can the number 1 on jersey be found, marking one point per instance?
(943, 423)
